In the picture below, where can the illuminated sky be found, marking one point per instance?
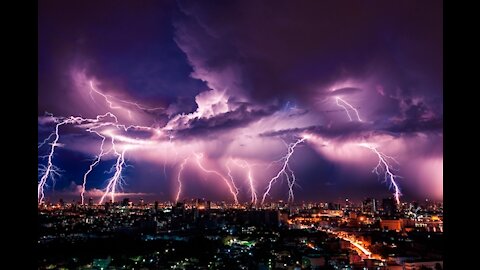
(226, 86)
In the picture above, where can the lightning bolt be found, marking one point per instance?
(198, 158)
(95, 162)
(179, 179)
(108, 99)
(291, 184)
(383, 164)
(251, 181)
(53, 174)
(91, 125)
(116, 179)
(141, 107)
(50, 169)
(337, 99)
(383, 159)
(283, 170)
(46, 140)
(229, 172)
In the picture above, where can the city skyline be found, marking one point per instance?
(247, 102)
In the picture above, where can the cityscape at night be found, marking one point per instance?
(200, 234)
(240, 135)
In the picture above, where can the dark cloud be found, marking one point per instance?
(277, 49)
(224, 122)
(349, 129)
(128, 46)
(280, 61)
(434, 125)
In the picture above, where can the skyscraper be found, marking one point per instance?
(389, 207)
(369, 206)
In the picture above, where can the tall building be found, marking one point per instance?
(267, 218)
(348, 204)
(389, 207)
(126, 202)
(369, 206)
(333, 206)
(200, 204)
(209, 205)
(179, 209)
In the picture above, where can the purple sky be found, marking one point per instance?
(226, 86)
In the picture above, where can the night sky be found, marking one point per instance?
(228, 85)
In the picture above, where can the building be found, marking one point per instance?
(209, 205)
(267, 218)
(369, 206)
(156, 206)
(389, 207)
(284, 217)
(391, 224)
(374, 264)
(200, 204)
(418, 265)
(333, 206)
(107, 206)
(126, 202)
(313, 261)
(179, 209)
(101, 263)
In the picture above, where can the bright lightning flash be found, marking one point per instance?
(95, 162)
(251, 181)
(179, 178)
(50, 170)
(229, 172)
(199, 157)
(116, 179)
(111, 104)
(285, 170)
(383, 164)
(337, 99)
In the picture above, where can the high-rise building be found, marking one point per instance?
(126, 202)
(209, 205)
(389, 207)
(200, 204)
(267, 218)
(179, 209)
(333, 206)
(369, 206)
(348, 204)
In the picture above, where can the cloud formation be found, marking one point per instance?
(245, 79)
